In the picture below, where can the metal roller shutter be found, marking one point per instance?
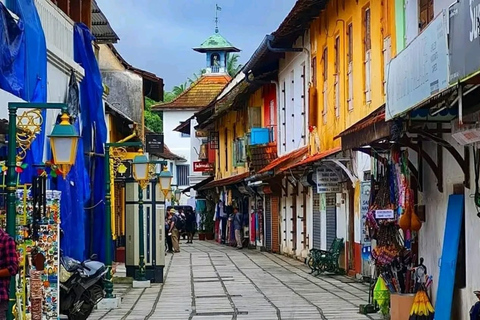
(268, 223)
(331, 218)
(317, 224)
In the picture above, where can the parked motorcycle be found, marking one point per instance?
(81, 286)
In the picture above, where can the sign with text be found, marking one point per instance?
(202, 166)
(420, 70)
(464, 32)
(328, 180)
(154, 143)
(384, 214)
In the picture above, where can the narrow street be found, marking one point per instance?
(226, 283)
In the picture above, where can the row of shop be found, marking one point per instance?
(395, 174)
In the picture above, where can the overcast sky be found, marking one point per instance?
(158, 35)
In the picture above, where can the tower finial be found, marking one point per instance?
(217, 8)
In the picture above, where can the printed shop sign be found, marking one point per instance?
(464, 37)
(328, 180)
(202, 166)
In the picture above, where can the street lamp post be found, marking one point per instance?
(64, 138)
(108, 212)
(142, 173)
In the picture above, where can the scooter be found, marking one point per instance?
(81, 286)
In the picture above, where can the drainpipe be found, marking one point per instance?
(130, 137)
(271, 37)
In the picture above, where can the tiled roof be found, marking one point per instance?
(225, 181)
(101, 28)
(371, 119)
(262, 155)
(285, 160)
(199, 95)
(312, 159)
(169, 155)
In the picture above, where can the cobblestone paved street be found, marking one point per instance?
(210, 281)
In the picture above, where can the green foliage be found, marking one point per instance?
(153, 121)
(233, 67)
(196, 76)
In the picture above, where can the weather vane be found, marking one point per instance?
(217, 8)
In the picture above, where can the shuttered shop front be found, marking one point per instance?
(331, 218)
(268, 223)
(317, 224)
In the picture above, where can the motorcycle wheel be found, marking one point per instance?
(83, 314)
(93, 294)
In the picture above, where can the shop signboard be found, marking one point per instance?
(154, 143)
(124, 170)
(464, 39)
(420, 70)
(328, 180)
(202, 166)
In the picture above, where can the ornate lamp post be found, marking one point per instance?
(111, 157)
(141, 173)
(63, 138)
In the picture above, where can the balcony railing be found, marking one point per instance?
(58, 29)
(258, 136)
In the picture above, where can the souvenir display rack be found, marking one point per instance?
(394, 225)
(38, 221)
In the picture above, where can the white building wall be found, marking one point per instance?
(176, 143)
(432, 232)
(293, 120)
(309, 220)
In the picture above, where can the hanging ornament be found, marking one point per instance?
(20, 167)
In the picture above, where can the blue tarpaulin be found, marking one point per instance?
(32, 56)
(93, 129)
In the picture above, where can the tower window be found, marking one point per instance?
(215, 62)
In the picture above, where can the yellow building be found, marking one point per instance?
(352, 42)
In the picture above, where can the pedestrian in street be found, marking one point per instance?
(237, 225)
(174, 230)
(8, 269)
(168, 234)
(190, 225)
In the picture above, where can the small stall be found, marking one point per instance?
(393, 225)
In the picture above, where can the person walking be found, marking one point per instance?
(168, 234)
(8, 269)
(174, 230)
(190, 225)
(237, 225)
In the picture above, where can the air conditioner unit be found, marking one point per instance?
(469, 131)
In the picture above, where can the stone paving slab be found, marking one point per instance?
(209, 281)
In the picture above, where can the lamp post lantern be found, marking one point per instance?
(177, 195)
(165, 181)
(64, 139)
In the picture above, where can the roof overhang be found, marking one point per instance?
(101, 29)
